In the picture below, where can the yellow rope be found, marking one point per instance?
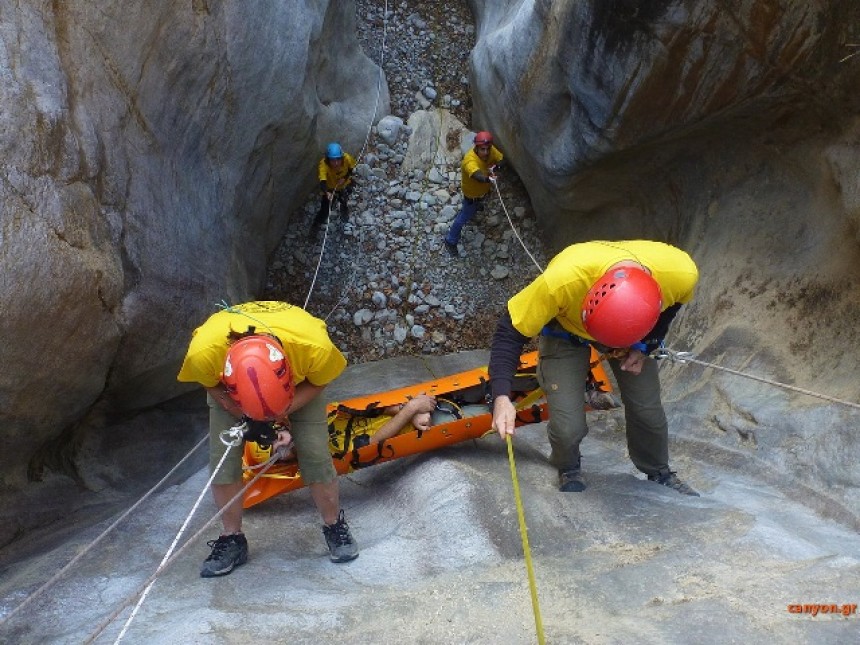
(525, 537)
(532, 397)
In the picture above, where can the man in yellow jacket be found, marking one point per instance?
(266, 364)
(335, 176)
(619, 297)
(477, 173)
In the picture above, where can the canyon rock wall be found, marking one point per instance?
(151, 155)
(731, 130)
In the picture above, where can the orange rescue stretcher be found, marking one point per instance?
(463, 413)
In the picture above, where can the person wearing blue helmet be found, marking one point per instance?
(335, 176)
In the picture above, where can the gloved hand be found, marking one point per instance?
(262, 432)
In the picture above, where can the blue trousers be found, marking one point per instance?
(467, 212)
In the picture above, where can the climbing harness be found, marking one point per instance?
(264, 433)
(682, 358)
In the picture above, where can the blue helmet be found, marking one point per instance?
(333, 151)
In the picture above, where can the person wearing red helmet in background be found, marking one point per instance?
(619, 297)
(267, 363)
(477, 173)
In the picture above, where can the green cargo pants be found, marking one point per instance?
(562, 371)
(310, 434)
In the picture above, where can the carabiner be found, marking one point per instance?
(234, 436)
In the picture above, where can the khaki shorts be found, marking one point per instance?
(310, 434)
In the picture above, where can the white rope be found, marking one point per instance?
(360, 155)
(103, 534)
(378, 80)
(686, 357)
(107, 621)
(319, 260)
(851, 55)
(173, 544)
(514, 228)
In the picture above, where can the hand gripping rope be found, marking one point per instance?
(526, 402)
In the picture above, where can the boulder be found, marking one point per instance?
(152, 154)
(729, 133)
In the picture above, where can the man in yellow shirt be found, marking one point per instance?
(619, 297)
(267, 363)
(477, 173)
(335, 176)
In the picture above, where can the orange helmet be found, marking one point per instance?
(483, 138)
(258, 377)
(621, 307)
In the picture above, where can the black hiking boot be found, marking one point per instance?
(452, 249)
(320, 219)
(344, 211)
(341, 546)
(670, 479)
(570, 480)
(228, 552)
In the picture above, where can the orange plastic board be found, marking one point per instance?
(284, 477)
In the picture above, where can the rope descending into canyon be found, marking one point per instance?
(524, 536)
(357, 158)
(178, 535)
(168, 560)
(102, 535)
(683, 358)
(514, 229)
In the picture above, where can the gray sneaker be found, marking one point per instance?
(228, 552)
(670, 479)
(341, 546)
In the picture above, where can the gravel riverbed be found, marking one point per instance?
(381, 278)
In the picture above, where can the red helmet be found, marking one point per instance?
(483, 138)
(258, 377)
(621, 307)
